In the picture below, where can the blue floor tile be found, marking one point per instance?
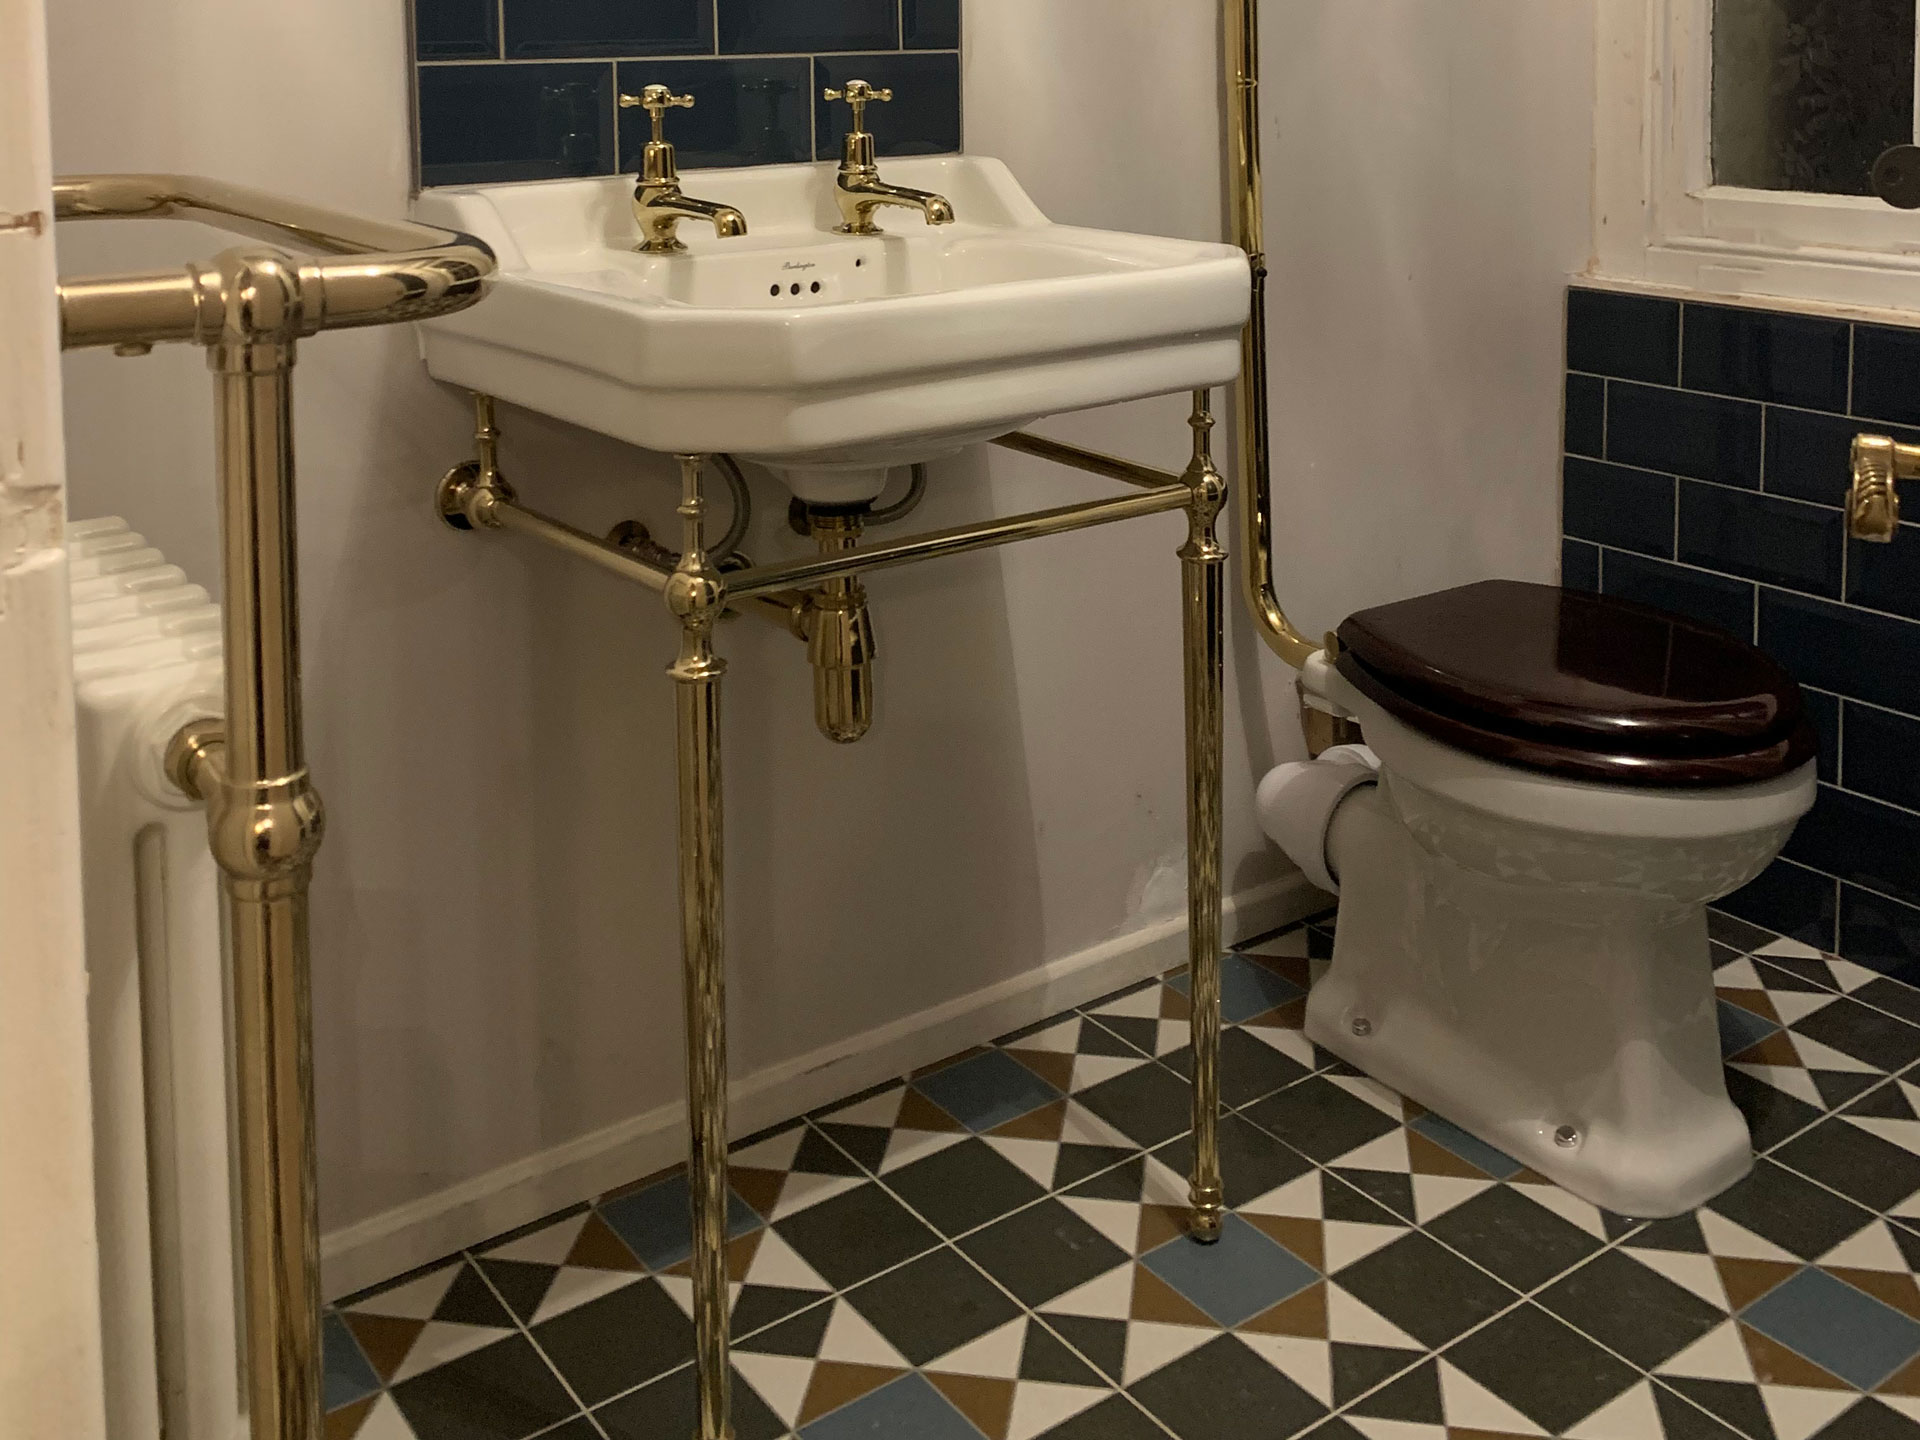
(1846, 1330)
(987, 1090)
(1235, 1279)
(346, 1375)
(657, 1224)
(907, 1409)
(1247, 989)
(1497, 1163)
(1741, 1028)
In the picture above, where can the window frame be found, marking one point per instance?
(1659, 219)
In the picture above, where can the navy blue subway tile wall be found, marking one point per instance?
(527, 89)
(1706, 473)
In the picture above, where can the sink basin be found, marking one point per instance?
(826, 357)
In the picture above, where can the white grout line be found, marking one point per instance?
(468, 1257)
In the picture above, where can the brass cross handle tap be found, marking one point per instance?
(656, 100)
(1873, 502)
(658, 203)
(859, 94)
(860, 191)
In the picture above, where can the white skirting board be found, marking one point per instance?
(436, 1225)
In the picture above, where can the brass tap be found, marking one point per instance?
(860, 190)
(1873, 503)
(658, 203)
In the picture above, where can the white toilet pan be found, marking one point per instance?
(1527, 955)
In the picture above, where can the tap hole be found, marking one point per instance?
(773, 290)
(859, 262)
(816, 287)
(796, 287)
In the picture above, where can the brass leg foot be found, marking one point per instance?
(1203, 571)
(696, 596)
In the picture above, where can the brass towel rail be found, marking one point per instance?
(248, 307)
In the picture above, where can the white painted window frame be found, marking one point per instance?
(1659, 219)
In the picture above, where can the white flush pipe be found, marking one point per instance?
(1300, 808)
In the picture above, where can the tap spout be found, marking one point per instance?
(660, 208)
(862, 194)
(859, 189)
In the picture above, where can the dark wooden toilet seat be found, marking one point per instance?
(1586, 687)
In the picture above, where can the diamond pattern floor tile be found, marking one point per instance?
(995, 1246)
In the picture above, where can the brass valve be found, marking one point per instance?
(1873, 502)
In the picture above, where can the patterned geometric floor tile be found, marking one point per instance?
(668, 1407)
(506, 1389)
(996, 1246)
(1226, 1387)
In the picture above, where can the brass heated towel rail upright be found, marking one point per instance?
(248, 308)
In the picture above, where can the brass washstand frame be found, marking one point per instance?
(473, 496)
(248, 308)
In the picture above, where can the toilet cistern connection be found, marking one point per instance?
(859, 189)
(658, 202)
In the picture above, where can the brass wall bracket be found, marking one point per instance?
(1873, 500)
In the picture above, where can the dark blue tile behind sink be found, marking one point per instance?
(930, 24)
(543, 29)
(481, 123)
(757, 68)
(746, 112)
(923, 118)
(456, 29)
(775, 26)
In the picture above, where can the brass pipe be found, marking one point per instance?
(466, 500)
(1111, 466)
(840, 644)
(398, 270)
(958, 541)
(1245, 200)
(1873, 501)
(695, 597)
(1203, 573)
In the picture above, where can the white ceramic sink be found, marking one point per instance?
(827, 357)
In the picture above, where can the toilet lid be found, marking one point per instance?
(1583, 685)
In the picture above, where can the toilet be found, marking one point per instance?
(1553, 788)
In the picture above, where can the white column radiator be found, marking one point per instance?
(146, 659)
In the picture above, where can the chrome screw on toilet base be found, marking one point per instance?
(1361, 1027)
(1566, 1137)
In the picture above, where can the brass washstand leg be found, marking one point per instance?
(1203, 570)
(264, 825)
(696, 595)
